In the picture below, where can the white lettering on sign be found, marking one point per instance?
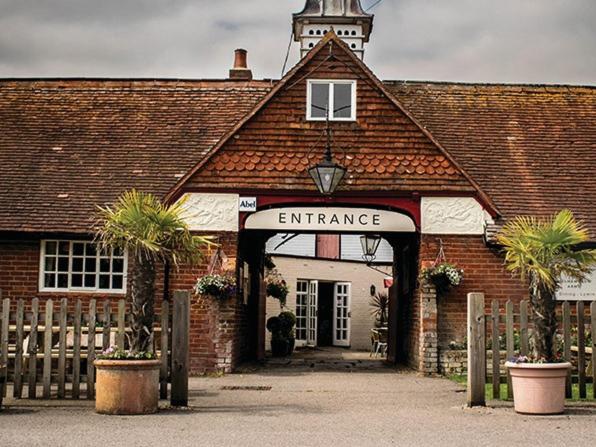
(330, 219)
(247, 204)
(571, 289)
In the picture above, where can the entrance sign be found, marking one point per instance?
(330, 219)
(247, 204)
(573, 290)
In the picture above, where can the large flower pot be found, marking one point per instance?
(538, 388)
(127, 386)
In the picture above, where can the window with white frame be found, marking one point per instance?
(333, 99)
(80, 266)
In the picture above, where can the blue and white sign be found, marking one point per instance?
(247, 204)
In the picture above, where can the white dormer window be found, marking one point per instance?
(336, 99)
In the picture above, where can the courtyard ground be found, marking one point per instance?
(281, 406)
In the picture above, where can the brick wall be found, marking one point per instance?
(484, 271)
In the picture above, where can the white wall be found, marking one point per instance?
(358, 274)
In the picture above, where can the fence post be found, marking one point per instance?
(4, 347)
(180, 348)
(476, 350)
(593, 318)
(567, 344)
(496, 348)
(163, 372)
(509, 342)
(581, 348)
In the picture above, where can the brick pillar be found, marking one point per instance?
(428, 345)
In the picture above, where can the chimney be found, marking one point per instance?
(240, 72)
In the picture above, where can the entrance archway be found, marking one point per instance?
(397, 226)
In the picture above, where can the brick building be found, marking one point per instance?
(427, 164)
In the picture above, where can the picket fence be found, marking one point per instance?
(50, 348)
(510, 328)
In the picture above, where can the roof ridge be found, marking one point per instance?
(485, 84)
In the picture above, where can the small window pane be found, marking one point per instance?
(49, 280)
(104, 281)
(62, 264)
(77, 264)
(90, 249)
(117, 281)
(50, 264)
(78, 249)
(51, 248)
(63, 281)
(90, 264)
(77, 280)
(89, 280)
(104, 265)
(118, 265)
(342, 100)
(319, 100)
(118, 252)
(64, 248)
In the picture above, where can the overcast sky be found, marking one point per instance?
(530, 41)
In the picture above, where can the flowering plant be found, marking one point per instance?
(444, 276)
(113, 353)
(277, 287)
(532, 359)
(215, 285)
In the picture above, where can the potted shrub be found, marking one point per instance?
(541, 251)
(380, 308)
(279, 343)
(444, 276)
(287, 321)
(151, 233)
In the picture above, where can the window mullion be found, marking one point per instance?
(331, 105)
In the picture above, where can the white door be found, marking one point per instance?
(301, 311)
(311, 312)
(341, 314)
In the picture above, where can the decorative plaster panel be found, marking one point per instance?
(211, 212)
(452, 215)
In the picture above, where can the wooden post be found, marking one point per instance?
(107, 324)
(4, 345)
(523, 328)
(32, 349)
(163, 372)
(47, 350)
(91, 350)
(496, 348)
(593, 318)
(476, 350)
(76, 360)
(121, 324)
(567, 345)
(18, 358)
(509, 342)
(180, 348)
(581, 349)
(62, 320)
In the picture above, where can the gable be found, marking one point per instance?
(383, 150)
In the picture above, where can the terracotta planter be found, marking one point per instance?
(127, 386)
(538, 388)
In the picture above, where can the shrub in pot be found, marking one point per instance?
(287, 322)
(152, 234)
(279, 343)
(541, 251)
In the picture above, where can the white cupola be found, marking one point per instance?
(347, 18)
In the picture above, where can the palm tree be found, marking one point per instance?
(151, 233)
(542, 251)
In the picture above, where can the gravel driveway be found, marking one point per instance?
(293, 407)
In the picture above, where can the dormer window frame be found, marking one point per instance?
(331, 83)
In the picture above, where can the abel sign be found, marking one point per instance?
(330, 219)
(573, 290)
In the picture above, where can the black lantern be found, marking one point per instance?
(327, 175)
(370, 244)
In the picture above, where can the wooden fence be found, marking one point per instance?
(49, 348)
(505, 333)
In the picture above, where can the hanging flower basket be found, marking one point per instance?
(219, 287)
(277, 288)
(444, 276)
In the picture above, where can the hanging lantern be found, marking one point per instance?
(370, 244)
(327, 175)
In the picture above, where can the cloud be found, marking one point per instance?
(458, 40)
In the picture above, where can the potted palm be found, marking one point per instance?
(151, 233)
(541, 251)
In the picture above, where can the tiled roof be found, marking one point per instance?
(532, 149)
(66, 145)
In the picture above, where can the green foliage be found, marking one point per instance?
(217, 286)
(276, 287)
(148, 229)
(287, 321)
(542, 250)
(380, 307)
(444, 276)
(114, 353)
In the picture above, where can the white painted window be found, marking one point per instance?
(301, 308)
(79, 266)
(336, 99)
